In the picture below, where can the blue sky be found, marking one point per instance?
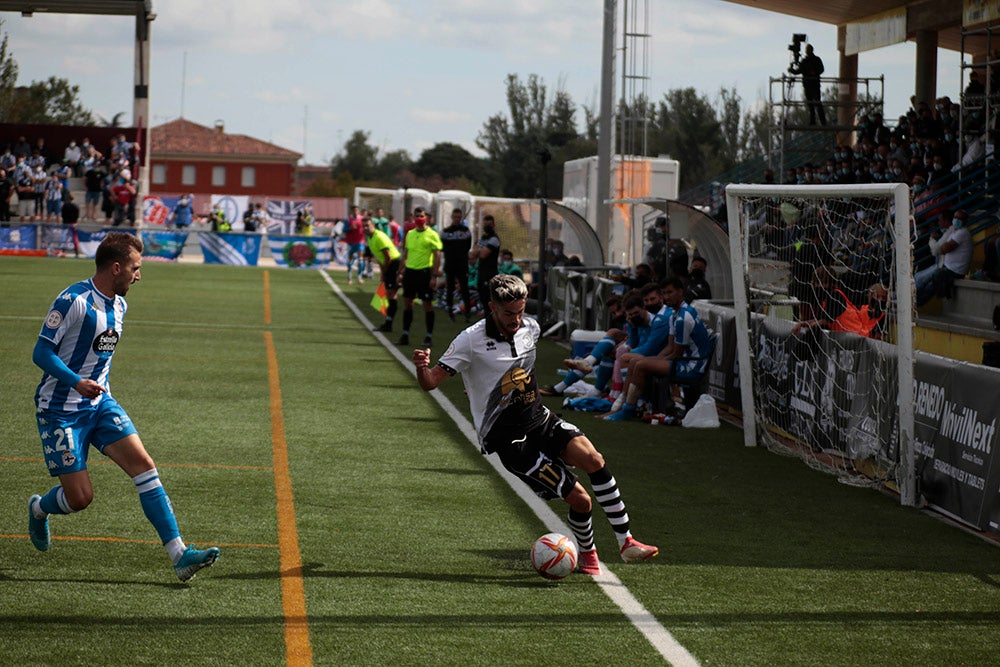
(305, 74)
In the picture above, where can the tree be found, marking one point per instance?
(50, 102)
(358, 159)
(514, 143)
(392, 164)
(8, 78)
(687, 128)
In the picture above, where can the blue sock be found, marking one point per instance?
(602, 375)
(156, 505)
(572, 377)
(54, 502)
(603, 348)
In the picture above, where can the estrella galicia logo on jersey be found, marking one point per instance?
(53, 319)
(105, 343)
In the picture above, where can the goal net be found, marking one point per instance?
(823, 299)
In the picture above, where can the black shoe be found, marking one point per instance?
(549, 390)
(404, 339)
(428, 341)
(385, 327)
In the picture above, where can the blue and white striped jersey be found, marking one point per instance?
(85, 326)
(690, 333)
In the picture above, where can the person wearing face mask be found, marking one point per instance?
(181, 215)
(951, 245)
(683, 355)
(507, 264)
(697, 284)
(647, 306)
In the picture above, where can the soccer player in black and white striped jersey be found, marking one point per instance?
(496, 357)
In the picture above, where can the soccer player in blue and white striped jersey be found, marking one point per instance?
(75, 408)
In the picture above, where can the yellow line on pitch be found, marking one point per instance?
(293, 598)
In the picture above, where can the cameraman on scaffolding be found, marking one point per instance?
(810, 68)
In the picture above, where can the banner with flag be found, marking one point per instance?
(233, 206)
(282, 214)
(163, 245)
(236, 249)
(380, 301)
(156, 209)
(57, 240)
(301, 252)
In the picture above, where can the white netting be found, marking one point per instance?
(825, 307)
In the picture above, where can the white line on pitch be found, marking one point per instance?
(638, 615)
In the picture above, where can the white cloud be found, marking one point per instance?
(439, 115)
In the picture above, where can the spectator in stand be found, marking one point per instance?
(107, 199)
(24, 182)
(65, 173)
(122, 193)
(7, 190)
(8, 160)
(183, 213)
(21, 148)
(790, 177)
(72, 156)
(456, 240)
(41, 180)
(53, 191)
(975, 89)
(261, 219)
(952, 246)
(249, 224)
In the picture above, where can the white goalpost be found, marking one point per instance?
(823, 298)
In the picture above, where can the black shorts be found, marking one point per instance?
(417, 284)
(391, 276)
(535, 456)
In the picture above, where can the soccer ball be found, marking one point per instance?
(553, 556)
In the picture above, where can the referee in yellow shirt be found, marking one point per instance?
(421, 262)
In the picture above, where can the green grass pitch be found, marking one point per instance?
(413, 550)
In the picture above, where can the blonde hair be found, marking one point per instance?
(505, 288)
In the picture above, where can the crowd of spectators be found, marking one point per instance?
(39, 181)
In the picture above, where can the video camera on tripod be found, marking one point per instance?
(796, 48)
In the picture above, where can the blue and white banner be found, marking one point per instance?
(282, 214)
(233, 249)
(57, 240)
(163, 245)
(233, 206)
(301, 252)
(18, 238)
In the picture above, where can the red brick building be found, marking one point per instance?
(188, 157)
